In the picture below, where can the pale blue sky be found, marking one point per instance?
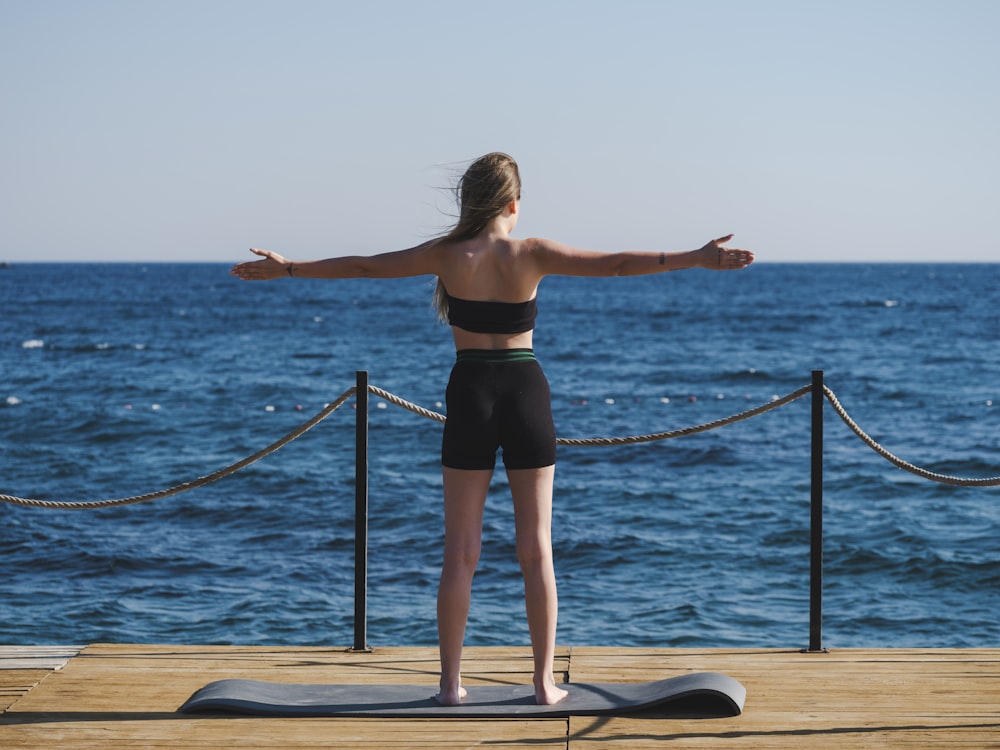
(189, 131)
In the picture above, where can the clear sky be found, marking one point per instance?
(147, 131)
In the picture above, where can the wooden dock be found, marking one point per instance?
(116, 696)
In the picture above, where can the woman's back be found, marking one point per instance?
(489, 267)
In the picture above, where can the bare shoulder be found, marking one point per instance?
(538, 245)
(557, 258)
(542, 246)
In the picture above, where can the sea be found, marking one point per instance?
(122, 379)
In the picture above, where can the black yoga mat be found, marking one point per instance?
(699, 694)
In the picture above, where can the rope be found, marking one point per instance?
(437, 417)
(933, 476)
(200, 482)
(689, 430)
(394, 399)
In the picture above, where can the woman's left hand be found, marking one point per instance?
(716, 256)
(272, 267)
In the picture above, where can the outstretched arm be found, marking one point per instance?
(557, 259)
(415, 261)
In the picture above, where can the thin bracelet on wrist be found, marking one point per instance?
(289, 268)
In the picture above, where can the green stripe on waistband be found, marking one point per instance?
(495, 355)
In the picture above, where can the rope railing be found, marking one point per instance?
(200, 482)
(775, 404)
(435, 416)
(905, 465)
(628, 440)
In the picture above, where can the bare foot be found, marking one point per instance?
(451, 697)
(548, 694)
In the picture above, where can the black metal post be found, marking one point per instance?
(816, 518)
(361, 515)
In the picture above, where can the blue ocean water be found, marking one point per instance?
(120, 379)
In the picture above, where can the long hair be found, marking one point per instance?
(490, 184)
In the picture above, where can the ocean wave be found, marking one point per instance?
(876, 302)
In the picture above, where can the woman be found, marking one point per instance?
(497, 395)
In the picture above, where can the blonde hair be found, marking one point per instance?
(490, 184)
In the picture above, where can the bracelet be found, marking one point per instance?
(289, 268)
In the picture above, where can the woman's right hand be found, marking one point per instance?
(272, 267)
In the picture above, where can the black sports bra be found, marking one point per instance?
(492, 317)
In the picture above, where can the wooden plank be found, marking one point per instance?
(14, 684)
(111, 732)
(114, 696)
(36, 657)
(23, 667)
(844, 699)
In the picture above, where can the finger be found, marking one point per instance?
(723, 240)
(262, 253)
(733, 258)
(741, 258)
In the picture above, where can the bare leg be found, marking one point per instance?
(532, 493)
(464, 500)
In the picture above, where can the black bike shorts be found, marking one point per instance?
(498, 399)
